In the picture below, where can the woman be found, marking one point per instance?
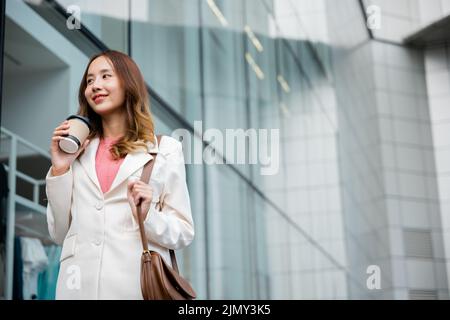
(92, 194)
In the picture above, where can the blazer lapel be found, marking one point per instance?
(87, 161)
(132, 162)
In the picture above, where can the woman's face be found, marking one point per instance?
(104, 92)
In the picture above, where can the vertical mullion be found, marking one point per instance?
(2, 44)
(204, 172)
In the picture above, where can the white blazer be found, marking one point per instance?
(100, 257)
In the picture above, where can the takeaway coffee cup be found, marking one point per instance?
(79, 130)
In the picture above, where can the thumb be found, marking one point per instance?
(130, 185)
(132, 180)
(85, 144)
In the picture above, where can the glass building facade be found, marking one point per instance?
(343, 189)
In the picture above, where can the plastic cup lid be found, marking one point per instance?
(84, 119)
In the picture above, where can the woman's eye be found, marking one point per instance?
(89, 81)
(106, 75)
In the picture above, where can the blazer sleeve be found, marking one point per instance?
(59, 196)
(172, 227)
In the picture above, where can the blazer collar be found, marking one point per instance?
(133, 161)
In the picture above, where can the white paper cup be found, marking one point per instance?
(79, 130)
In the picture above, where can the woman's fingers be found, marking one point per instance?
(62, 125)
(85, 144)
(60, 129)
(131, 185)
(138, 184)
(143, 189)
(61, 132)
(141, 186)
(141, 193)
(65, 128)
(138, 197)
(131, 189)
(139, 190)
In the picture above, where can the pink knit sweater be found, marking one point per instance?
(105, 165)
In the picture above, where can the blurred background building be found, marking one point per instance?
(360, 93)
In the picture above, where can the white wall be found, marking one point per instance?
(392, 121)
(437, 63)
(409, 170)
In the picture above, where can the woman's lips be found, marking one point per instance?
(99, 99)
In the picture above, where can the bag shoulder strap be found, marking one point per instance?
(145, 177)
(148, 168)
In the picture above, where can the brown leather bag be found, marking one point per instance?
(159, 281)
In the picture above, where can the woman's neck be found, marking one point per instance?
(114, 126)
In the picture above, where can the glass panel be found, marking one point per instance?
(229, 245)
(165, 44)
(106, 19)
(224, 77)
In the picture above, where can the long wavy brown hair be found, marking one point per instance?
(140, 127)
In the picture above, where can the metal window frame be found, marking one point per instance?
(2, 46)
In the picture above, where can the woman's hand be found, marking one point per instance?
(61, 161)
(139, 192)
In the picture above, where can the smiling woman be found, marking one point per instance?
(93, 195)
(113, 91)
(101, 84)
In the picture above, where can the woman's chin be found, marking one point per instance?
(103, 109)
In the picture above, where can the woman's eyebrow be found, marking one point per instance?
(101, 71)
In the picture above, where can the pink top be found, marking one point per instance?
(105, 165)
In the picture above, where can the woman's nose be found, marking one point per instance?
(96, 85)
